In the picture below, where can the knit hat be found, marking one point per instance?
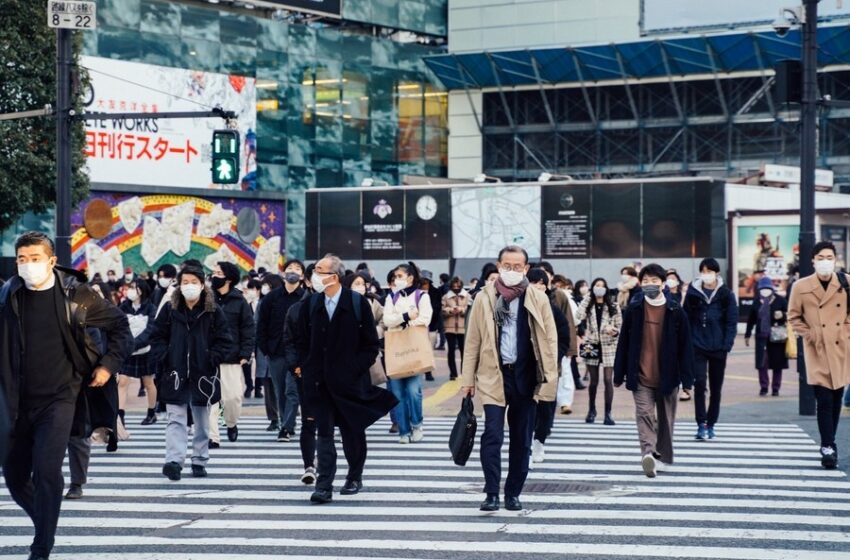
(195, 271)
(765, 284)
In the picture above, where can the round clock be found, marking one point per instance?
(426, 207)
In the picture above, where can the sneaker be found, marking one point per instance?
(649, 466)
(685, 396)
(247, 394)
(258, 393)
(538, 452)
(309, 476)
(417, 435)
(283, 436)
(566, 409)
(775, 392)
(404, 439)
(172, 470)
(702, 432)
(214, 445)
(711, 434)
(763, 393)
(273, 427)
(199, 471)
(394, 428)
(75, 492)
(828, 458)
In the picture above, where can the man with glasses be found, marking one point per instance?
(511, 361)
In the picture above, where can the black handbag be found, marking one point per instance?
(590, 351)
(462, 438)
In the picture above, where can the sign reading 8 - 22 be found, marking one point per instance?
(66, 14)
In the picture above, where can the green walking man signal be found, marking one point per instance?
(225, 157)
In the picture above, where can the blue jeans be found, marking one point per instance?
(286, 392)
(847, 396)
(408, 391)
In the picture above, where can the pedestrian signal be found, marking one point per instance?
(225, 157)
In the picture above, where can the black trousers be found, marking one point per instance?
(521, 411)
(308, 428)
(79, 455)
(709, 371)
(455, 343)
(246, 374)
(353, 444)
(829, 413)
(544, 420)
(33, 470)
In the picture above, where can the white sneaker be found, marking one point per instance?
(649, 466)
(309, 476)
(417, 436)
(404, 439)
(538, 453)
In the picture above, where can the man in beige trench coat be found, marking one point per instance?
(818, 312)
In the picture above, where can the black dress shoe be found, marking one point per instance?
(37, 557)
(214, 444)
(322, 497)
(233, 433)
(513, 504)
(609, 421)
(248, 393)
(580, 386)
(490, 504)
(351, 487)
(172, 470)
(75, 492)
(258, 393)
(273, 427)
(199, 471)
(591, 417)
(112, 443)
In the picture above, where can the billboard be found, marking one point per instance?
(773, 249)
(164, 152)
(148, 230)
(679, 15)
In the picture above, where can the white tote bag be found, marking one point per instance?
(566, 384)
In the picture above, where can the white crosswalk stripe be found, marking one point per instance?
(755, 493)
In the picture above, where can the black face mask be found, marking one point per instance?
(651, 291)
(218, 282)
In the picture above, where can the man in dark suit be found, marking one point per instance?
(337, 343)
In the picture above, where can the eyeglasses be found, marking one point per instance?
(515, 268)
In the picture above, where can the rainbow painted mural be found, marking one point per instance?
(150, 230)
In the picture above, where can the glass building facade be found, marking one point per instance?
(337, 100)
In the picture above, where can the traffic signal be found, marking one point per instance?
(225, 157)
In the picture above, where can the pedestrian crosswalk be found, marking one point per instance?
(755, 493)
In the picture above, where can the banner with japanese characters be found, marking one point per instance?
(164, 152)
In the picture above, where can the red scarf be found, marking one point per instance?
(509, 293)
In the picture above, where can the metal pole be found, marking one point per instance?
(809, 146)
(64, 169)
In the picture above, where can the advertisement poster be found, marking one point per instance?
(566, 221)
(151, 230)
(164, 152)
(771, 249)
(838, 235)
(383, 225)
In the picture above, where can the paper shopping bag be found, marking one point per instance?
(408, 352)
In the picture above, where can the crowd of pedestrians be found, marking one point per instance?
(321, 345)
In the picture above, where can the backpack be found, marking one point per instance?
(842, 279)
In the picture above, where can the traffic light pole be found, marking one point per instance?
(809, 145)
(64, 169)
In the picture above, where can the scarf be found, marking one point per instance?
(764, 318)
(506, 295)
(625, 288)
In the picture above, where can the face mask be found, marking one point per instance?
(457, 289)
(599, 291)
(33, 274)
(359, 289)
(191, 292)
(292, 277)
(164, 282)
(765, 293)
(709, 277)
(672, 283)
(133, 295)
(651, 291)
(625, 278)
(583, 290)
(265, 289)
(128, 277)
(318, 282)
(824, 267)
(511, 278)
(217, 283)
(251, 295)
(399, 284)
(111, 277)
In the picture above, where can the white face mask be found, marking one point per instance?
(765, 293)
(599, 291)
(251, 295)
(625, 278)
(318, 282)
(672, 283)
(824, 267)
(359, 289)
(133, 295)
(34, 274)
(265, 290)
(399, 284)
(709, 277)
(128, 277)
(191, 292)
(164, 282)
(511, 278)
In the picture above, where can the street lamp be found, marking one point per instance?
(372, 182)
(482, 178)
(545, 177)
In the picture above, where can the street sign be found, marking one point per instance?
(67, 14)
(225, 157)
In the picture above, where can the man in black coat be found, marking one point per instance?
(46, 359)
(337, 344)
(240, 322)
